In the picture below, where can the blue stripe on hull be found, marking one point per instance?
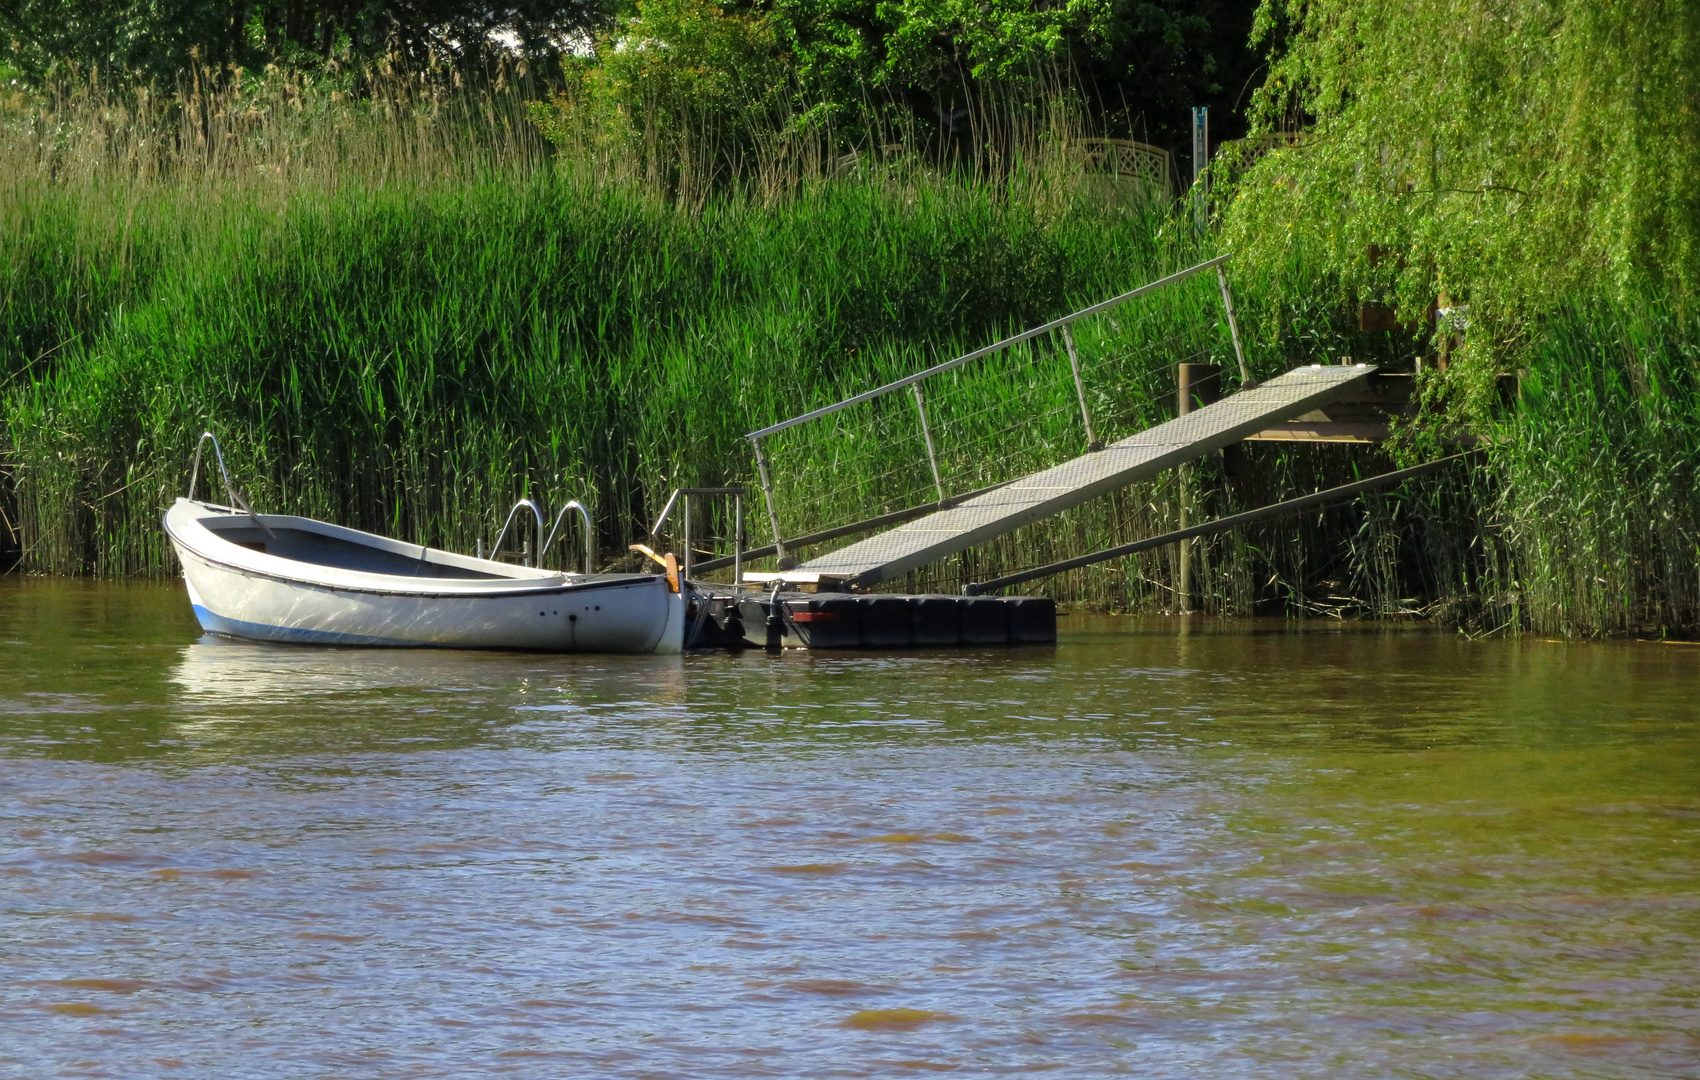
(218, 624)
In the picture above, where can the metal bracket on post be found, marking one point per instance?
(1092, 442)
(927, 434)
(767, 496)
(1233, 327)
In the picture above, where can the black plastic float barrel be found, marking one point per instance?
(935, 620)
(1032, 620)
(886, 622)
(825, 621)
(985, 620)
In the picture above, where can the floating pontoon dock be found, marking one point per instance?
(826, 601)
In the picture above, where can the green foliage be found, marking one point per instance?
(939, 74)
(1600, 502)
(1141, 63)
(1536, 162)
(691, 54)
(688, 84)
(734, 75)
(165, 42)
(1515, 155)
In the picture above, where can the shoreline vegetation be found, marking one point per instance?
(405, 305)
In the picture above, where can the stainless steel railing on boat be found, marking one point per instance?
(236, 500)
(539, 544)
(496, 548)
(589, 535)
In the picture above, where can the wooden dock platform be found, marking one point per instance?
(1051, 491)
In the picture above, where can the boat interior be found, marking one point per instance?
(305, 546)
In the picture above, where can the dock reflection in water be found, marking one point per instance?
(1240, 851)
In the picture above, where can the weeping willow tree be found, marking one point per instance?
(1515, 151)
(1536, 165)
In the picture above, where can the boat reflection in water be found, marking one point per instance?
(216, 669)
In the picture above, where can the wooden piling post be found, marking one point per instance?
(1196, 385)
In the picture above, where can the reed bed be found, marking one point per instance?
(404, 310)
(1600, 506)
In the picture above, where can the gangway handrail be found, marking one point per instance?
(764, 470)
(1025, 335)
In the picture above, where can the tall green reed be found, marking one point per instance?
(1601, 496)
(404, 313)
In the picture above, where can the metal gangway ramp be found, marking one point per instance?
(1051, 491)
(928, 531)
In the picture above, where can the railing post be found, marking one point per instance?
(685, 566)
(927, 434)
(1233, 326)
(767, 495)
(1092, 442)
(738, 539)
(1195, 385)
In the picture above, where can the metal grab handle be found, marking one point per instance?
(589, 535)
(236, 500)
(535, 512)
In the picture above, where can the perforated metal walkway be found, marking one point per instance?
(1138, 457)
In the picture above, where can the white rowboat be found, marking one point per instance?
(276, 577)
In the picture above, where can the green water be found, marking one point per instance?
(1156, 850)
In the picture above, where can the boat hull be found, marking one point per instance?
(556, 613)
